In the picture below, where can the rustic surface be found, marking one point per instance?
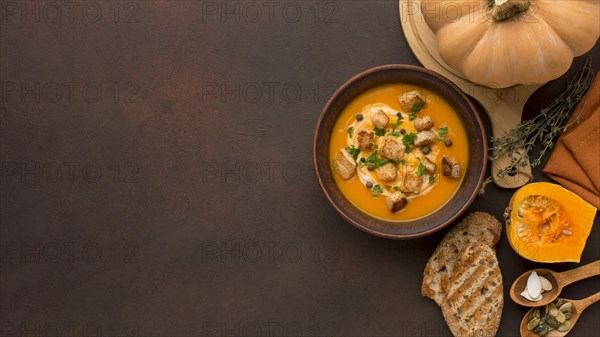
(206, 218)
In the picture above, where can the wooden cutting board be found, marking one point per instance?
(503, 106)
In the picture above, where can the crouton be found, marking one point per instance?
(423, 124)
(428, 164)
(396, 202)
(451, 167)
(409, 99)
(392, 149)
(344, 164)
(412, 183)
(380, 119)
(387, 172)
(366, 140)
(425, 138)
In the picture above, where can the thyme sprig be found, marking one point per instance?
(543, 129)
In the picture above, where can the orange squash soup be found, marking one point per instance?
(399, 152)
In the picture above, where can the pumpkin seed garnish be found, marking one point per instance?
(552, 316)
(564, 327)
(533, 323)
(551, 320)
(567, 306)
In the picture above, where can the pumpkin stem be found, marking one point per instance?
(506, 9)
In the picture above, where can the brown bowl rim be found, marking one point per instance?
(440, 77)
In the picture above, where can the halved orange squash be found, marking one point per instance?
(548, 223)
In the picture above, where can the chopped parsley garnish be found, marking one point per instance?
(379, 132)
(443, 132)
(375, 160)
(420, 169)
(396, 188)
(398, 122)
(404, 162)
(396, 133)
(431, 179)
(350, 131)
(388, 187)
(416, 107)
(408, 141)
(353, 151)
(377, 190)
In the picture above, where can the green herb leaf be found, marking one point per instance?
(443, 132)
(431, 179)
(412, 117)
(396, 188)
(417, 107)
(377, 190)
(353, 152)
(350, 131)
(398, 122)
(396, 133)
(388, 187)
(420, 169)
(409, 139)
(375, 160)
(403, 161)
(379, 132)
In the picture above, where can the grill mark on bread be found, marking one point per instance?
(466, 283)
(468, 307)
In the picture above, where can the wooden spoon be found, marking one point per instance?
(578, 307)
(558, 280)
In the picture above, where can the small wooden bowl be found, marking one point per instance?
(422, 77)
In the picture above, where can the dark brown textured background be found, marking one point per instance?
(180, 200)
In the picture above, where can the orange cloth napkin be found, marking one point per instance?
(575, 160)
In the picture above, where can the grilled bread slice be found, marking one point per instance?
(476, 227)
(474, 298)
